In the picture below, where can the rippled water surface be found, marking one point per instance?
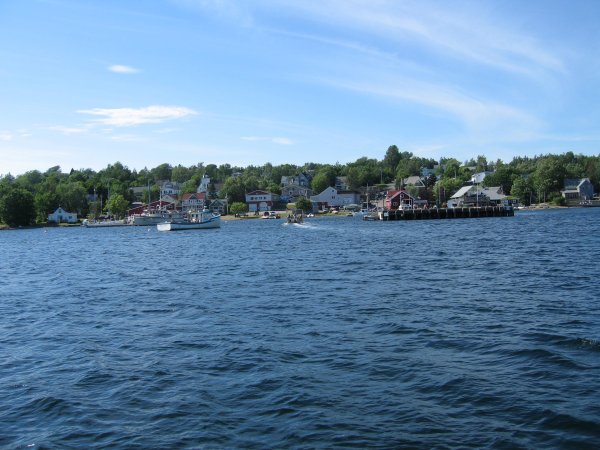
(339, 333)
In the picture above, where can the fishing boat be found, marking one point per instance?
(194, 220)
(103, 223)
(154, 217)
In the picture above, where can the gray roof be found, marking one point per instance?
(462, 191)
(492, 192)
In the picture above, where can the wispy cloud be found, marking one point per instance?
(477, 114)
(125, 117)
(468, 33)
(229, 9)
(6, 136)
(68, 130)
(126, 138)
(273, 140)
(118, 68)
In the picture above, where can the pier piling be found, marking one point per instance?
(447, 213)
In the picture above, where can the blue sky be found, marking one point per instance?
(84, 83)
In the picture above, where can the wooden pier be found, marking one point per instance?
(447, 213)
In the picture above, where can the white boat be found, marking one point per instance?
(154, 217)
(270, 215)
(194, 220)
(104, 223)
(360, 214)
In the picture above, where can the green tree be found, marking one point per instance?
(430, 181)
(320, 182)
(152, 196)
(522, 189)
(363, 172)
(234, 190)
(161, 172)
(481, 165)
(17, 207)
(181, 174)
(391, 158)
(304, 204)
(238, 208)
(503, 177)
(548, 177)
(189, 186)
(445, 188)
(117, 205)
(45, 202)
(30, 180)
(72, 196)
(273, 188)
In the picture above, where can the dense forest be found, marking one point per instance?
(29, 198)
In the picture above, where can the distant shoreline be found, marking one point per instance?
(536, 207)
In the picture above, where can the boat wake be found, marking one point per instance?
(299, 225)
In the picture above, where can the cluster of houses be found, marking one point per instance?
(339, 196)
(171, 198)
(576, 191)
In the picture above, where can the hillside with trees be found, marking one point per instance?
(28, 198)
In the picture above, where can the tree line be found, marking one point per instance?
(29, 198)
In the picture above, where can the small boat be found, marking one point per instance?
(296, 216)
(194, 220)
(270, 215)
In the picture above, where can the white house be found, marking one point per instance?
(203, 186)
(170, 188)
(60, 215)
(332, 198)
(577, 189)
(477, 178)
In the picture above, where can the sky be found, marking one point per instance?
(84, 84)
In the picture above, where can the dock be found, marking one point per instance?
(447, 213)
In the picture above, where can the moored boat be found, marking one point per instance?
(104, 223)
(194, 220)
(270, 215)
(155, 217)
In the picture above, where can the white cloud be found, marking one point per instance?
(274, 140)
(124, 117)
(6, 136)
(67, 130)
(282, 141)
(118, 68)
(126, 138)
(476, 113)
(471, 32)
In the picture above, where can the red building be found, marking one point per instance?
(158, 204)
(261, 200)
(399, 199)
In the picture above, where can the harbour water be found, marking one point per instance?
(472, 333)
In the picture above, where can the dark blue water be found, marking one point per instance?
(428, 334)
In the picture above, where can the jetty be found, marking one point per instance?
(446, 213)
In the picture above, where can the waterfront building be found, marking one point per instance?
(60, 215)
